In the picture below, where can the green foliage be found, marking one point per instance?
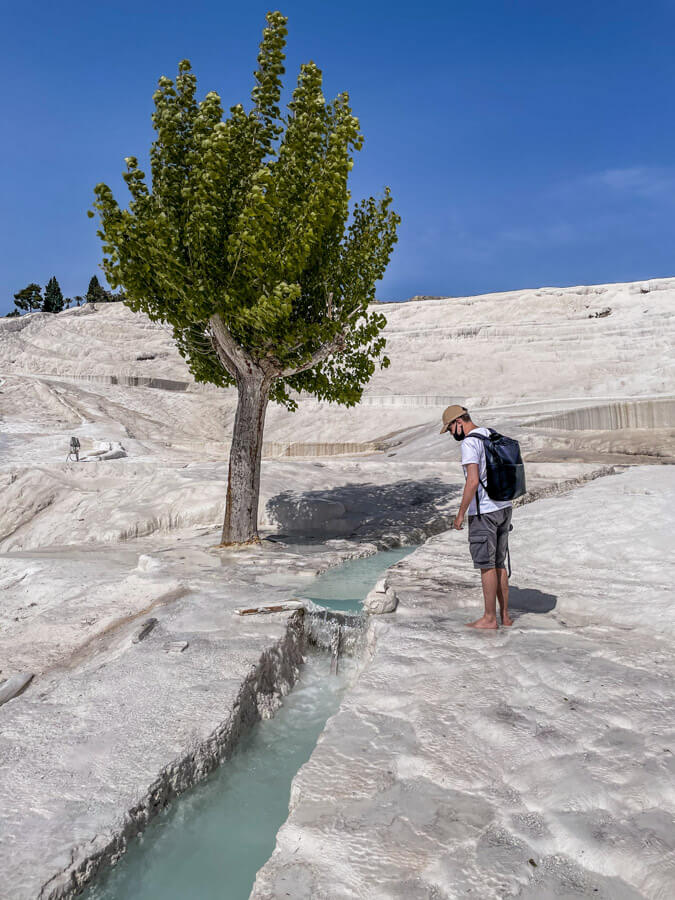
(29, 298)
(13, 314)
(53, 301)
(247, 221)
(96, 293)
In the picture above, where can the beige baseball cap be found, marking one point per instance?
(450, 414)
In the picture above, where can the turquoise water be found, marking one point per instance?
(212, 840)
(344, 587)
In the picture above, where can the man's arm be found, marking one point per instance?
(470, 488)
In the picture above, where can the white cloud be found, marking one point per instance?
(644, 181)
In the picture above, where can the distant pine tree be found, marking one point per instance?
(79, 301)
(53, 302)
(29, 298)
(13, 314)
(95, 293)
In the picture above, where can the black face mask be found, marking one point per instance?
(459, 436)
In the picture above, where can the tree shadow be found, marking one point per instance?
(362, 510)
(530, 600)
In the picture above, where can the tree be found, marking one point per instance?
(111, 297)
(79, 300)
(244, 243)
(13, 314)
(96, 293)
(53, 301)
(29, 298)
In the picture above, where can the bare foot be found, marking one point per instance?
(483, 622)
(507, 620)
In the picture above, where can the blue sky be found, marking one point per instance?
(525, 143)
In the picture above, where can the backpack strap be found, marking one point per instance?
(483, 438)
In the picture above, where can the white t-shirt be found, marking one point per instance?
(473, 451)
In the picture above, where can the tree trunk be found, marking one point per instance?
(243, 483)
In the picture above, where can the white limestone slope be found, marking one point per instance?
(529, 345)
(87, 372)
(490, 350)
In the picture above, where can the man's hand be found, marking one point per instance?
(459, 521)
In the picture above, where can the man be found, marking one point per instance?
(489, 532)
(74, 448)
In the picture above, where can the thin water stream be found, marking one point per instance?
(345, 587)
(211, 842)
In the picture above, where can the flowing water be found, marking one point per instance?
(210, 843)
(345, 587)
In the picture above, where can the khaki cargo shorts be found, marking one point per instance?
(489, 538)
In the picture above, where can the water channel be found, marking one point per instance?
(211, 842)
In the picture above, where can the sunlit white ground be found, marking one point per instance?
(89, 550)
(538, 761)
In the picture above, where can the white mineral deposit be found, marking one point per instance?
(537, 761)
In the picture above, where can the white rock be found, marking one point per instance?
(381, 599)
(149, 563)
(381, 585)
(14, 686)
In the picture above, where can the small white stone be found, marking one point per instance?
(148, 563)
(14, 686)
(378, 602)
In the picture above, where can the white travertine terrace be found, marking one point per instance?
(89, 551)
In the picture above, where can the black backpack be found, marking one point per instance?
(505, 471)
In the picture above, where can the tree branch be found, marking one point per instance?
(290, 371)
(229, 350)
(347, 319)
(318, 356)
(225, 360)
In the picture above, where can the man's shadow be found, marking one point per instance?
(530, 600)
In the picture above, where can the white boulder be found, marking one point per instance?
(382, 599)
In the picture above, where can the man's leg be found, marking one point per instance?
(503, 596)
(501, 556)
(489, 581)
(483, 547)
